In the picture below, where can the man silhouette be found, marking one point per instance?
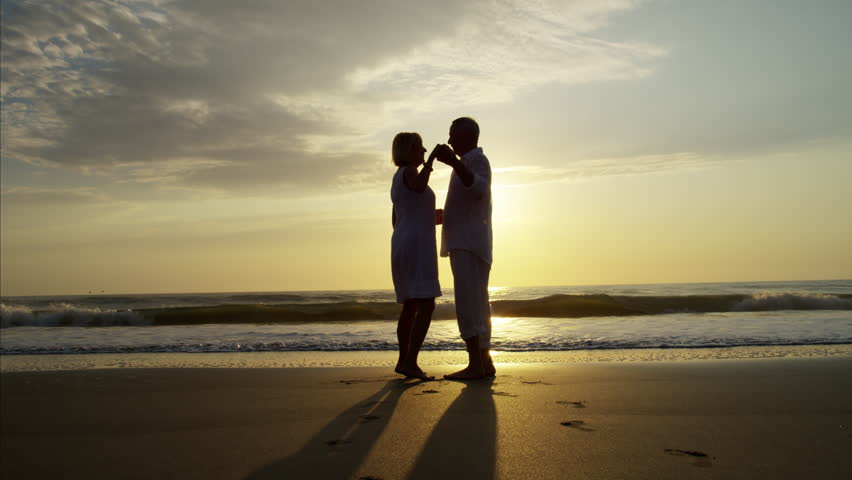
(467, 239)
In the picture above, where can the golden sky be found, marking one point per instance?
(187, 146)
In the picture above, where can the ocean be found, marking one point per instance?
(563, 318)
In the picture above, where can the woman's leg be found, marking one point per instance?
(420, 326)
(403, 331)
(422, 321)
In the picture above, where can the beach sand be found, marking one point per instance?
(766, 418)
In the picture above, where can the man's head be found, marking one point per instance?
(464, 135)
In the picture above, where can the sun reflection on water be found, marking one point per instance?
(497, 292)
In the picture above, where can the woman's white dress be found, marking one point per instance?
(414, 254)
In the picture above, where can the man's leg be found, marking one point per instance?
(485, 326)
(474, 369)
(467, 279)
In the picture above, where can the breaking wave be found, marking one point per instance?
(66, 315)
(552, 306)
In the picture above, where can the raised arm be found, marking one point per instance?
(418, 181)
(476, 176)
(446, 155)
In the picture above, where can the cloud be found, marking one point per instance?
(508, 48)
(604, 167)
(281, 172)
(32, 195)
(219, 95)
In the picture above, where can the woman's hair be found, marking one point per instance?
(402, 144)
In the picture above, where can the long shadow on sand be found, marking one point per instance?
(464, 442)
(342, 445)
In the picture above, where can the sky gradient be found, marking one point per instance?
(189, 146)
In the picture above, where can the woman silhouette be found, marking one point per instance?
(414, 254)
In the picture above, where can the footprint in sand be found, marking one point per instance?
(580, 404)
(337, 443)
(426, 392)
(701, 457)
(503, 394)
(536, 382)
(577, 425)
(350, 382)
(358, 380)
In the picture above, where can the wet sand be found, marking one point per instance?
(768, 418)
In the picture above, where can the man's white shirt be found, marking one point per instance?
(467, 211)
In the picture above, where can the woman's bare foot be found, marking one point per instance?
(468, 373)
(414, 372)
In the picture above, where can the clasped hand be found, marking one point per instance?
(443, 153)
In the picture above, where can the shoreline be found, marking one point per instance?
(428, 359)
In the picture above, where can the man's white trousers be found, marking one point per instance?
(470, 282)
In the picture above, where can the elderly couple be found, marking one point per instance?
(465, 238)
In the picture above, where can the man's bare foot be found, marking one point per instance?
(468, 373)
(488, 368)
(414, 372)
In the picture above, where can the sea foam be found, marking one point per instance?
(677, 330)
(791, 301)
